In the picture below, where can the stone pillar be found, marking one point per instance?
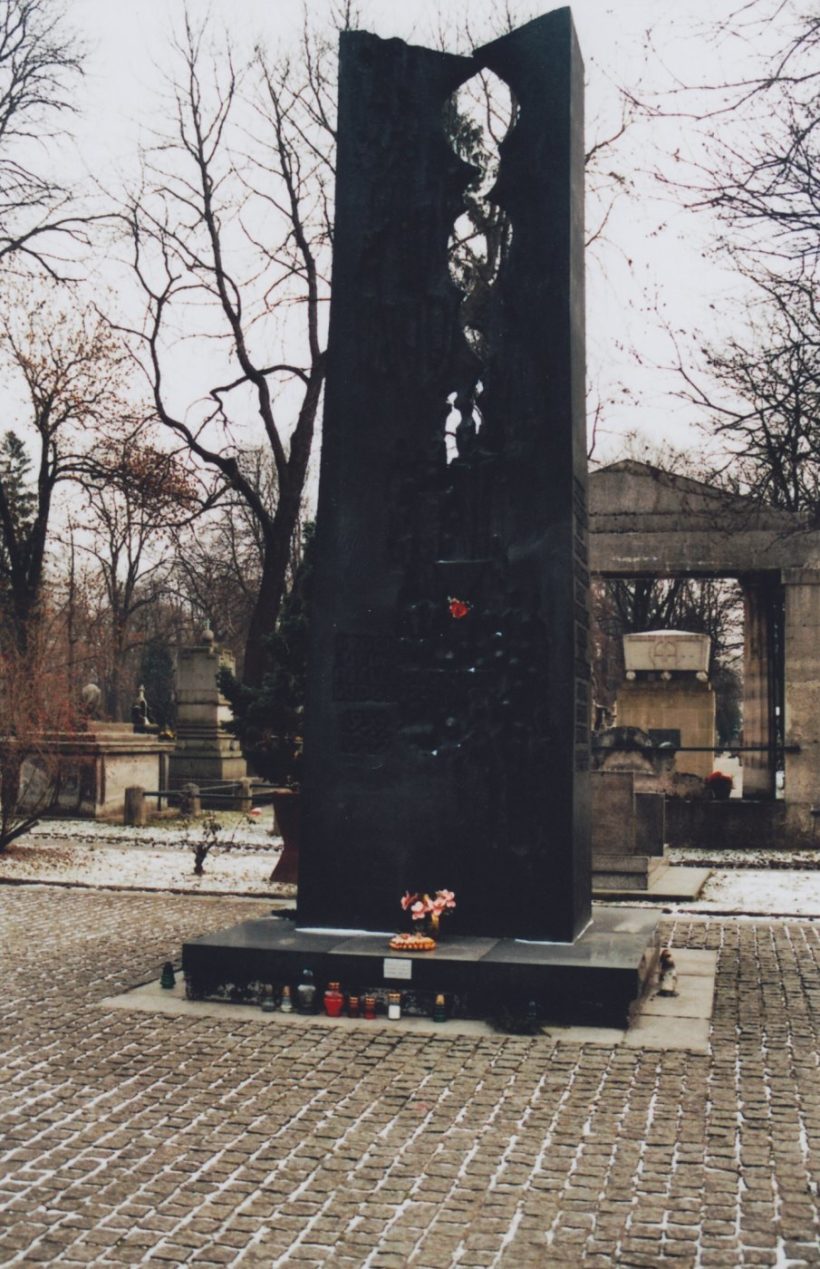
(134, 811)
(758, 699)
(244, 795)
(802, 699)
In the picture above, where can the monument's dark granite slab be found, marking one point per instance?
(284, 935)
(446, 723)
(594, 980)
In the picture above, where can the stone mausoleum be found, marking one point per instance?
(648, 523)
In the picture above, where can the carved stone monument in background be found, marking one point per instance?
(205, 752)
(667, 693)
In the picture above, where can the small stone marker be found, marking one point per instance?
(134, 811)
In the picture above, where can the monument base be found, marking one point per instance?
(669, 884)
(595, 980)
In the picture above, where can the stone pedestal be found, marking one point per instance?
(205, 754)
(737, 824)
(685, 707)
(628, 833)
(90, 770)
(595, 980)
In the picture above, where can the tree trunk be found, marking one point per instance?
(25, 614)
(271, 590)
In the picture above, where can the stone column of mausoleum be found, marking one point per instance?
(802, 699)
(758, 722)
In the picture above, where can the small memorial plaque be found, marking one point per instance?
(395, 967)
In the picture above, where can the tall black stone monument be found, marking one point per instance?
(447, 718)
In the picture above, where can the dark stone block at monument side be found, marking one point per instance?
(446, 723)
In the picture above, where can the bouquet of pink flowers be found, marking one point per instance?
(430, 910)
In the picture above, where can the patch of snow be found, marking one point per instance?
(760, 890)
(96, 862)
(84, 853)
(236, 828)
(751, 858)
(751, 892)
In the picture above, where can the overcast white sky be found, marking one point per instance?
(656, 249)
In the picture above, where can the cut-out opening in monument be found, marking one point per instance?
(476, 119)
(456, 425)
(745, 672)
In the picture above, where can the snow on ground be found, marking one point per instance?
(759, 891)
(160, 857)
(237, 828)
(109, 857)
(751, 858)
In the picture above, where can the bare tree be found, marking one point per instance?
(239, 224)
(756, 167)
(759, 393)
(762, 136)
(31, 706)
(40, 63)
(69, 372)
(219, 559)
(137, 495)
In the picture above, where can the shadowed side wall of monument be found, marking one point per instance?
(446, 730)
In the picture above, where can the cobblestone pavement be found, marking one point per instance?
(141, 1138)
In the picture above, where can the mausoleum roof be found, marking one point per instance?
(649, 522)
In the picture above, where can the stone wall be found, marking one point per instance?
(731, 825)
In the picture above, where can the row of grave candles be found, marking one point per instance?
(305, 999)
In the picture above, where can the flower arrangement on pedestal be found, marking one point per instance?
(426, 912)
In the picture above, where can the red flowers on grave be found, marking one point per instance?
(719, 785)
(458, 608)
